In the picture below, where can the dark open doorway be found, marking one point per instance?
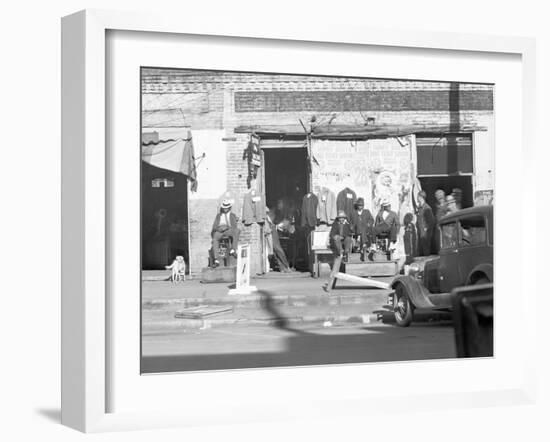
(285, 175)
(164, 218)
(286, 183)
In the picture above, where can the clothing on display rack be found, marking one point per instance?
(326, 208)
(309, 210)
(253, 208)
(345, 200)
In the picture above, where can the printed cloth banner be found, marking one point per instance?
(176, 155)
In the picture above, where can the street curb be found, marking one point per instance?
(326, 320)
(322, 299)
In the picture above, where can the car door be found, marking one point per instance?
(449, 270)
(473, 247)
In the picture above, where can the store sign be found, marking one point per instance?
(254, 147)
(253, 157)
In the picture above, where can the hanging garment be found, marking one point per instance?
(188, 166)
(309, 210)
(345, 200)
(253, 208)
(326, 208)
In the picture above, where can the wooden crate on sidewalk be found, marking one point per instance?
(219, 274)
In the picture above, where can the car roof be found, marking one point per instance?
(476, 210)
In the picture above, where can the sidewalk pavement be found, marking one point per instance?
(292, 298)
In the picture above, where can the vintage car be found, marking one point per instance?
(465, 258)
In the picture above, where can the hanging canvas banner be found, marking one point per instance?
(177, 155)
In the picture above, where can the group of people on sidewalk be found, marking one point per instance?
(426, 221)
(364, 226)
(420, 239)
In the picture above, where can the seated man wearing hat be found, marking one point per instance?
(362, 224)
(386, 223)
(425, 224)
(225, 226)
(340, 236)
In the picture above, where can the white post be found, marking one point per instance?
(242, 285)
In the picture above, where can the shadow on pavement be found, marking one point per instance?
(302, 348)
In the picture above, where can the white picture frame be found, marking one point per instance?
(85, 260)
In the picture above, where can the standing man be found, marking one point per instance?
(451, 204)
(274, 245)
(425, 224)
(441, 208)
(225, 226)
(440, 212)
(386, 223)
(340, 236)
(362, 223)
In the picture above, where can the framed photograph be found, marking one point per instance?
(290, 223)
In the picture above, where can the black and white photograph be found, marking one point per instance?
(296, 220)
(271, 222)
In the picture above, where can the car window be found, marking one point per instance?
(473, 231)
(449, 235)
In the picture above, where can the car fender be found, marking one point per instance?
(485, 269)
(418, 294)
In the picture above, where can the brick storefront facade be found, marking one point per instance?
(209, 101)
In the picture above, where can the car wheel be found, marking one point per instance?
(402, 307)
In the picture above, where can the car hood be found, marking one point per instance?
(422, 260)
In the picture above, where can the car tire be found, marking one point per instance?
(402, 306)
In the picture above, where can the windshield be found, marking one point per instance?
(449, 236)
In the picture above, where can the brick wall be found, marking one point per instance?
(164, 81)
(200, 110)
(201, 216)
(353, 101)
(237, 179)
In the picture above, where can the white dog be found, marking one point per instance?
(178, 269)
